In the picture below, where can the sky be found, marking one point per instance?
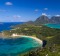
(27, 10)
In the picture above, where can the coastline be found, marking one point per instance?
(35, 38)
(24, 36)
(18, 36)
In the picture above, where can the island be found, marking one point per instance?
(51, 35)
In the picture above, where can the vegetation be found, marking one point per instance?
(52, 36)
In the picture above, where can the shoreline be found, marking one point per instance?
(24, 36)
(18, 36)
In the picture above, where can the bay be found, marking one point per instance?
(56, 26)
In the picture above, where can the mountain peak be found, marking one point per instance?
(42, 19)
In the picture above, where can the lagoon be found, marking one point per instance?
(56, 26)
(18, 45)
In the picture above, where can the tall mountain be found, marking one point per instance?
(55, 19)
(42, 20)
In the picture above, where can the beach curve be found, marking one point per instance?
(35, 38)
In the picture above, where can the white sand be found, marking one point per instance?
(35, 38)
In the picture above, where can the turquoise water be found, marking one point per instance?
(57, 26)
(17, 45)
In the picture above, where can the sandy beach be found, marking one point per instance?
(35, 38)
(18, 36)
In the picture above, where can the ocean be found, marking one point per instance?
(56, 26)
(15, 46)
(7, 25)
(18, 45)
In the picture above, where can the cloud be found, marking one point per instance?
(8, 3)
(57, 15)
(45, 14)
(16, 16)
(22, 21)
(36, 10)
(45, 8)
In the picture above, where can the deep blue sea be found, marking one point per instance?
(7, 25)
(56, 26)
